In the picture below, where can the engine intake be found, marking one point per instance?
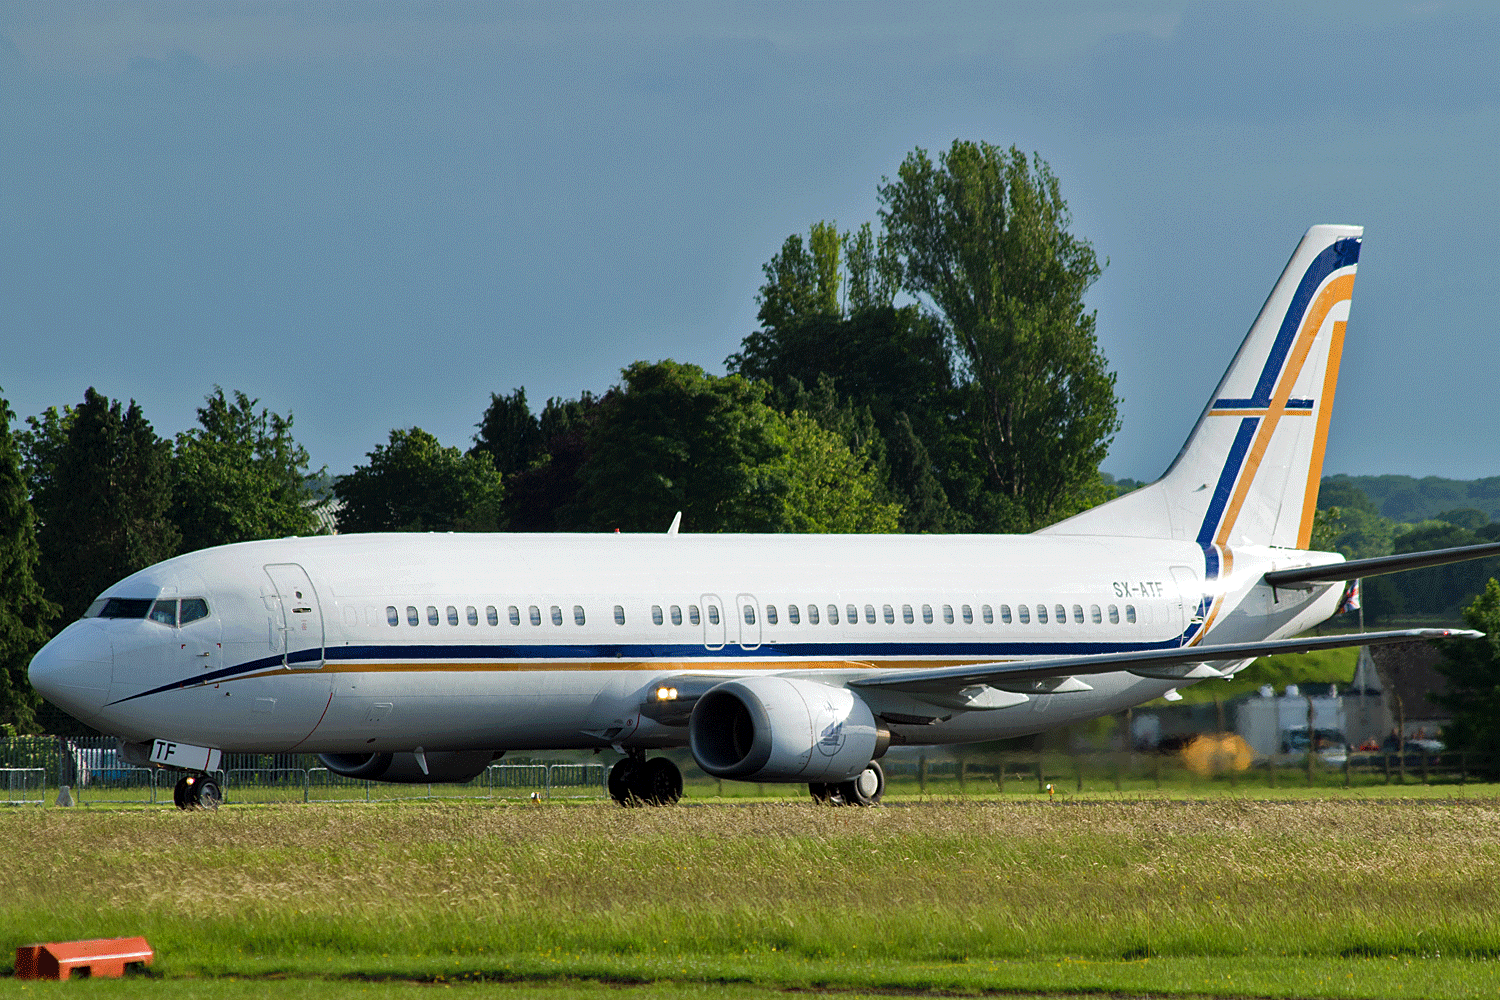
(783, 729)
(402, 768)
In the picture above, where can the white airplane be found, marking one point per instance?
(775, 658)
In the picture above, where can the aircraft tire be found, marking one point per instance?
(658, 782)
(866, 789)
(181, 793)
(622, 779)
(821, 792)
(207, 795)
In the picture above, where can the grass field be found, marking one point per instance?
(1232, 896)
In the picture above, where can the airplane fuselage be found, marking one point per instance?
(377, 643)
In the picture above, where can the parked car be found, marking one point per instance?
(1331, 746)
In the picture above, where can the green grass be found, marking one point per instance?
(1228, 896)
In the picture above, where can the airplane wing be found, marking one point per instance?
(1380, 565)
(1184, 663)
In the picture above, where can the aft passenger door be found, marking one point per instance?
(300, 621)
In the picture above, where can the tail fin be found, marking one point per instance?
(1249, 472)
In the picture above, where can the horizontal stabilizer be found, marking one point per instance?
(939, 680)
(1380, 565)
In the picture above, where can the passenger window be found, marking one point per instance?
(411, 615)
(947, 614)
(851, 614)
(713, 614)
(748, 611)
(1130, 614)
(472, 614)
(1005, 614)
(770, 614)
(193, 608)
(619, 615)
(656, 616)
(514, 614)
(869, 614)
(968, 614)
(432, 615)
(693, 618)
(676, 615)
(812, 614)
(1023, 614)
(906, 615)
(164, 612)
(988, 613)
(1078, 614)
(535, 614)
(793, 615)
(1062, 614)
(1114, 614)
(491, 615)
(927, 614)
(452, 615)
(1096, 614)
(889, 614)
(392, 616)
(578, 618)
(1041, 614)
(556, 615)
(833, 614)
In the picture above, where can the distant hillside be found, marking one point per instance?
(1402, 498)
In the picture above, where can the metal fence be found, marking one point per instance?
(33, 769)
(94, 774)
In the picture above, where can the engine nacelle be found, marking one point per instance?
(783, 729)
(442, 766)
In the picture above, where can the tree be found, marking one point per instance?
(240, 476)
(983, 239)
(26, 616)
(1472, 667)
(890, 363)
(102, 488)
(544, 494)
(413, 483)
(821, 485)
(509, 433)
(672, 438)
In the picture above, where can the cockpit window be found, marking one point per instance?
(193, 608)
(119, 607)
(164, 612)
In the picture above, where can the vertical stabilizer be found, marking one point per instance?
(1249, 472)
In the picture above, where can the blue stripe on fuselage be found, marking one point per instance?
(645, 656)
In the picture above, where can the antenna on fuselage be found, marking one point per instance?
(676, 523)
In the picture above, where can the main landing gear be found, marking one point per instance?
(864, 789)
(636, 781)
(197, 791)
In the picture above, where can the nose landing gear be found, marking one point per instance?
(636, 781)
(197, 791)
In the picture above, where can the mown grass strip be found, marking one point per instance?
(1148, 896)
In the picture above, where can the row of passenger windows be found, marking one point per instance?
(794, 615)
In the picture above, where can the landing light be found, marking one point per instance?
(666, 694)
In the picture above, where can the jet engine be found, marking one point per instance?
(783, 729)
(442, 766)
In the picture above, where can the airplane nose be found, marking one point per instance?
(74, 670)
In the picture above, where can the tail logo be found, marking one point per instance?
(1272, 400)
